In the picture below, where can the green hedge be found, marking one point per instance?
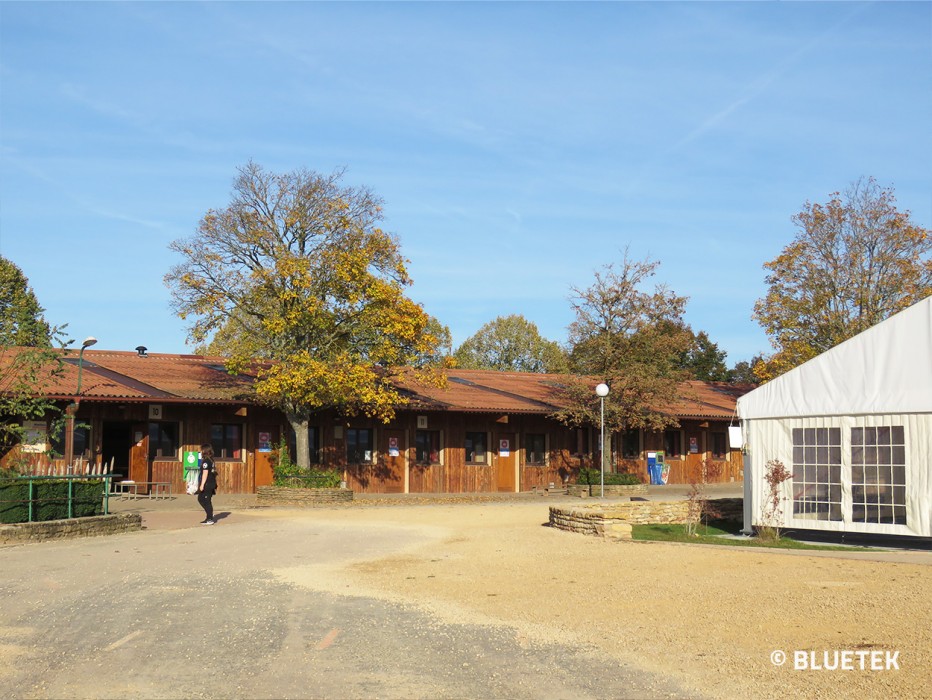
(50, 500)
(590, 477)
(313, 479)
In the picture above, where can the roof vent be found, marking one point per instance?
(141, 350)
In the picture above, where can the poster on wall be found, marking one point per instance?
(265, 441)
(504, 448)
(693, 445)
(392, 447)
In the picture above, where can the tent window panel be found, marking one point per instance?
(878, 488)
(817, 473)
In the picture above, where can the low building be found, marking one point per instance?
(139, 414)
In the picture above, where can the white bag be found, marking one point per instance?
(192, 481)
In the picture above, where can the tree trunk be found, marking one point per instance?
(607, 451)
(299, 424)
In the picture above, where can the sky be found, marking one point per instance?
(518, 147)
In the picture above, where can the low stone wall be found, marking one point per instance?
(278, 495)
(595, 490)
(18, 533)
(604, 520)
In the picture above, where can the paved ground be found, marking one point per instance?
(423, 597)
(186, 611)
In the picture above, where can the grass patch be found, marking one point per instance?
(712, 534)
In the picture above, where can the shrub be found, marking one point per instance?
(290, 475)
(593, 477)
(775, 473)
(50, 500)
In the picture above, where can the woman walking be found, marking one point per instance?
(207, 484)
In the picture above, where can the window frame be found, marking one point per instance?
(714, 437)
(484, 439)
(623, 439)
(678, 454)
(220, 450)
(817, 465)
(154, 449)
(530, 449)
(356, 432)
(878, 459)
(434, 445)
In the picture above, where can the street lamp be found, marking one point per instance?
(90, 340)
(602, 391)
(69, 438)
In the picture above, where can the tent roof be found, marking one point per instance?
(885, 369)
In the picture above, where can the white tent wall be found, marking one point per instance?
(881, 378)
(772, 439)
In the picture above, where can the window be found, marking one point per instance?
(719, 449)
(359, 445)
(163, 441)
(227, 440)
(313, 443)
(817, 473)
(535, 448)
(878, 475)
(672, 444)
(427, 447)
(82, 440)
(582, 441)
(475, 448)
(631, 444)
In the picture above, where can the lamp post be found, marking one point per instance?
(69, 438)
(602, 391)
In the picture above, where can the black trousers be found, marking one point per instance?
(204, 499)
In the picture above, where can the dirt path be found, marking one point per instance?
(707, 617)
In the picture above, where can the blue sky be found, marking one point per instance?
(518, 146)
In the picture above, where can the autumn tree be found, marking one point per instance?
(631, 338)
(854, 261)
(28, 361)
(297, 272)
(21, 317)
(703, 359)
(743, 371)
(511, 343)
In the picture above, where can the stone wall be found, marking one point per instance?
(19, 533)
(604, 520)
(278, 496)
(595, 490)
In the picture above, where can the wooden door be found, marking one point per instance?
(695, 453)
(266, 438)
(139, 454)
(393, 461)
(506, 462)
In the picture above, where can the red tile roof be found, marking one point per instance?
(109, 375)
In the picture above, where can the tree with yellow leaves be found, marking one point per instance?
(296, 271)
(854, 262)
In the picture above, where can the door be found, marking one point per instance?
(506, 462)
(695, 454)
(393, 461)
(266, 439)
(117, 441)
(139, 453)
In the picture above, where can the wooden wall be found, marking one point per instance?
(566, 453)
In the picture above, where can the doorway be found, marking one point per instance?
(116, 442)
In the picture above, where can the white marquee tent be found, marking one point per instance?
(854, 426)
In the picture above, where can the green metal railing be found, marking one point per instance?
(32, 500)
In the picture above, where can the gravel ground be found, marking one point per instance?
(709, 618)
